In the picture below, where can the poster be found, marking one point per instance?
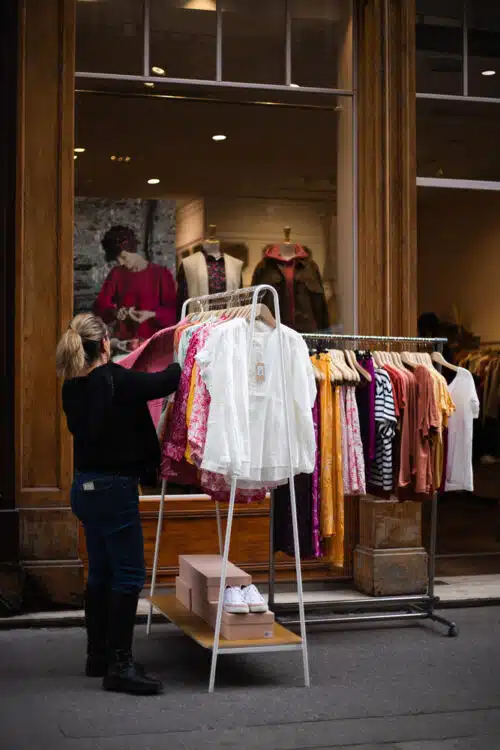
(111, 286)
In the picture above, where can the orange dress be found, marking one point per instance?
(331, 479)
(327, 484)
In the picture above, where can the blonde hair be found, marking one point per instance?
(80, 346)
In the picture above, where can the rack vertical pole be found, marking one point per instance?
(219, 526)
(157, 554)
(433, 534)
(222, 588)
(293, 498)
(272, 561)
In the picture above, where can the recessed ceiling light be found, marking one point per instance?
(113, 158)
(149, 84)
(75, 156)
(153, 181)
(158, 71)
(79, 150)
(489, 73)
(220, 137)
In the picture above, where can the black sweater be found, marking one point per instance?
(107, 414)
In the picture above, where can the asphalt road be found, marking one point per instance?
(385, 688)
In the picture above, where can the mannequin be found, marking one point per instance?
(207, 270)
(212, 245)
(287, 248)
(290, 269)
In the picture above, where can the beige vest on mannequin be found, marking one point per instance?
(195, 268)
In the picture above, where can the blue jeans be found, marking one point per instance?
(108, 507)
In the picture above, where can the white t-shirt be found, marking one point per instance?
(246, 429)
(459, 475)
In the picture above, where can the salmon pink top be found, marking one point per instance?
(151, 289)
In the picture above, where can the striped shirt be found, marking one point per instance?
(381, 474)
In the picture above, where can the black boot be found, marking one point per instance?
(123, 676)
(96, 623)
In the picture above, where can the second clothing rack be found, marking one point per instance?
(370, 609)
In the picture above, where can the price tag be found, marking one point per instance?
(260, 372)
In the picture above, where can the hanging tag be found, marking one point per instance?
(260, 372)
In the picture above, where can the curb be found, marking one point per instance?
(62, 620)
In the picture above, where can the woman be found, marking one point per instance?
(114, 444)
(138, 298)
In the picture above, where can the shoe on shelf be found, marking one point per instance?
(234, 603)
(256, 602)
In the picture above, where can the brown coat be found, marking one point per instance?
(311, 310)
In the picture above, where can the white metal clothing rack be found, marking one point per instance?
(375, 609)
(223, 301)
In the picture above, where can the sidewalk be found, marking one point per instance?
(458, 591)
(384, 688)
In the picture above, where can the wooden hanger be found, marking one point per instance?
(340, 361)
(437, 358)
(336, 372)
(357, 366)
(407, 359)
(398, 361)
(262, 313)
(320, 376)
(356, 377)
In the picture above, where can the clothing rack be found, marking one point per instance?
(287, 641)
(375, 609)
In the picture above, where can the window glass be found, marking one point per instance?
(110, 37)
(439, 35)
(321, 43)
(483, 22)
(184, 38)
(458, 140)
(253, 46)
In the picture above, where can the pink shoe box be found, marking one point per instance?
(241, 627)
(202, 574)
(183, 593)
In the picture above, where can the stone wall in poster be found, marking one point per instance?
(153, 221)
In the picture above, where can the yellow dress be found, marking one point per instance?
(189, 408)
(327, 488)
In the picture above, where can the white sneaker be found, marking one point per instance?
(254, 599)
(234, 603)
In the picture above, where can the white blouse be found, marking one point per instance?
(246, 429)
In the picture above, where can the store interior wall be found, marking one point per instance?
(459, 258)
(260, 221)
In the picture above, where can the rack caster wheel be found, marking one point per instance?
(453, 631)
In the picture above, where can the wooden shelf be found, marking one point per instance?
(202, 633)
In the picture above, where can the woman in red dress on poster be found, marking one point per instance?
(138, 298)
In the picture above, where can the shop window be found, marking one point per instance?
(440, 46)
(457, 140)
(183, 38)
(483, 22)
(321, 43)
(110, 37)
(253, 46)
